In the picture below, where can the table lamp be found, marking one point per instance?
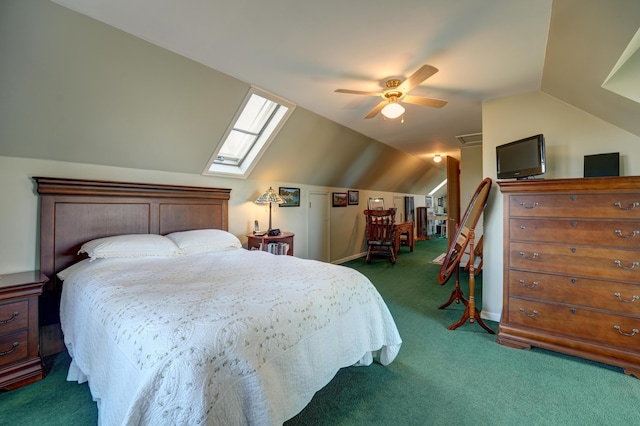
(270, 196)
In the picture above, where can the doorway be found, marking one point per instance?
(319, 231)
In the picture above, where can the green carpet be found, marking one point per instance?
(440, 377)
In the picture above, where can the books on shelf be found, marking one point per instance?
(276, 247)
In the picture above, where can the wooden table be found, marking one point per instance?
(258, 241)
(404, 228)
(444, 226)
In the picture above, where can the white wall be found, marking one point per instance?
(569, 133)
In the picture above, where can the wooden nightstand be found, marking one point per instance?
(254, 241)
(20, 362)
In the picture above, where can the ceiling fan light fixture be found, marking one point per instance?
(392, 110)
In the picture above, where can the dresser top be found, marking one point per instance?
(612, 183)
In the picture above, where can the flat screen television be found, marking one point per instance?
(602, 165)
(521, 159)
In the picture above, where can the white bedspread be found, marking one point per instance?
(230, 338)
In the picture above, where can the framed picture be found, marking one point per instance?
(376, 203)
(354, 198)
(291, 196)
(339, 199)
(428, 201)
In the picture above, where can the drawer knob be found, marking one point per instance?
(7, 321)
(529, 206)
(533, 284)
(531, 315)
(620, 265)
(534, 256)
(633, 299)
(631, 207)
(633, 234)
(13, 348)
(633, 332)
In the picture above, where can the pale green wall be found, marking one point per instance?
(569, 133)
(471, 175)
(19, 214)
(81, 99)
(74, 89)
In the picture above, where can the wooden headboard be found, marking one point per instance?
(74, 211)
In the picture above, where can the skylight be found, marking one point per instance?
(440, 185)
(254, 126)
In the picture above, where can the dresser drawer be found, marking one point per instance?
(579, 231)
(576, 205)
(576, 321)
(610, 295)
(14, 316)
(596, 262)
(13, 347)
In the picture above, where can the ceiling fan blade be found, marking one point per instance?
(417, 100)
(423, 73)
(376, 109)
(357, 92)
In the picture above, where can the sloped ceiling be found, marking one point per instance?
(77, 90)
(304, 50)
(64, 78)
(586, 39)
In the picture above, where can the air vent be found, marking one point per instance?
(471, 139)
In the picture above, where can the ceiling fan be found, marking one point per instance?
(397, 91)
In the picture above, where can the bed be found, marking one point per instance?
(209, 334)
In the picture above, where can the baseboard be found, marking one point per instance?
(491, 316)
(346, 259)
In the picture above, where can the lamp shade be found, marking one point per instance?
(270, 196)
(393, 110)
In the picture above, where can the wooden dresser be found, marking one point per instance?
(572, 268)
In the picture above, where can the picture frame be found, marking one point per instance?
(376, 203)
(428, 201)
(291, 196)
(354, 198)
(339, 199)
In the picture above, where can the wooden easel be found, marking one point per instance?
(470, 312)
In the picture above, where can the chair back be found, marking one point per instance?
(380, 225)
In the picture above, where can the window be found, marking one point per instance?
(256, 124)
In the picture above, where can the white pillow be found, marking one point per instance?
(128, 246)
(205, 240)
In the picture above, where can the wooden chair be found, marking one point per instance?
(380, 233)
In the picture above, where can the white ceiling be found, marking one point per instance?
(304, 50)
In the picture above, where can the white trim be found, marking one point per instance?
(253, 156)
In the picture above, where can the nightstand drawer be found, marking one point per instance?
(13, 347)
(14, 316)
(20, 362)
